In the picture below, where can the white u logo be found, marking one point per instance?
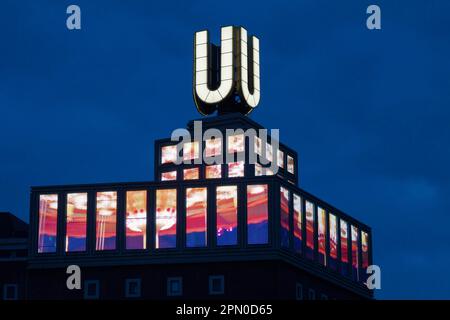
(233, 92)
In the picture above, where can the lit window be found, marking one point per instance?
(290, 164)
(91, 289)
(258, 170)
(196, 208)
(10, 292)
(191, 174)
(284, 217)
(236, 143)
(48, 219)
(365, 249)
(297, 223)
(269, 152)
(213, 171)
(76, 221)
(166, 218)
(333, 241)
(236, 169)
(169, 176)
(321, 216)
(132, 288)
(213, 147)
(280, 158)
(344, 246)
(106, 217)
(136, 220)
(226, 203)
(216, 285)
(309, 229)
(257, 214)
(258, 146)
(169, 154)
(174, 286)
(355, 253)
(190, 150)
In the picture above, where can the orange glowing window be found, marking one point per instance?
(48, 218)
(190, 150)
(169, 176)
(191, 174)
(166, 218)
(196, 209)
(76, 222)
(236, 143)
(106, 218)
(213, 147)
(226, 219)
(213, 171)
(136, 220)
(236, 169)
(168, 154)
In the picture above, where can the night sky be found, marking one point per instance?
(367, 111)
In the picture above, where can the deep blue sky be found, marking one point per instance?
(368, 111)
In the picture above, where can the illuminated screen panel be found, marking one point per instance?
(213, 147)
(258, 146)
(48, 219)
(136, 220)
(190, 150)
(166, 219)
(290, 164)
(196, 209)
(355, 253)
(269, 152)
(333, 241)
(213, 171)
(284, 217)
(344, 247)
(321, 217)
(309, 229)
(226, 218)
(236, 169)
(365, 255)
(106, 218)
(257, 214)
(168, 154)
(280, 158)
(191, 174)
(236, 143)
(258, 170)
(76, 222)
(169, 175)
(297, 223)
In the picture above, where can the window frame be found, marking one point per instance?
(170, 293)
(8, 286)
(211, 280)
(86, 284)
(128, 294)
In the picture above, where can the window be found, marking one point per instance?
(169, 154)
(10, 292)
(191, 174)
(258, 146)
(297, 223)
(269, 152)
(169, 176)
(298, 291)
(174, 286)
(260, 171)
(190, 150)
(321, 217)
(166, 218)
(309, 229)
(290, 164)
(91, 289)
(226, 219)
(236, 169)
(333, 241)
(136, 220)
(344, 247)
(76, 222)
(236, 143)
(213, 171)
(257, 214)
(311, 294)
(365, 254)
(216, 285)
(323, 297)
(48, 220)
(132, 288)
(280, 158)
(213, 147)
(284, 217)
(106, 218)
(355, 253)
(196, 221)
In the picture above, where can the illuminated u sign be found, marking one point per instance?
(226, 78)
